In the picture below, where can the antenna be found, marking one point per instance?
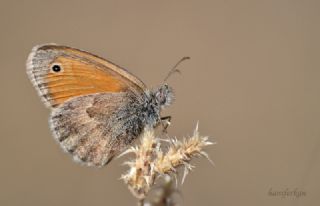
(174, 68)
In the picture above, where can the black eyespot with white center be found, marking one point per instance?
(56, 68)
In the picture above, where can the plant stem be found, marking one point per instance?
(141, 202)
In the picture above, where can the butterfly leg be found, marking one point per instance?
(165, 121)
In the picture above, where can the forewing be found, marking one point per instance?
(80, 73)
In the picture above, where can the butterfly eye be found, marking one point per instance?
(56, 68)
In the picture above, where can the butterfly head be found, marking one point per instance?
(164, 96)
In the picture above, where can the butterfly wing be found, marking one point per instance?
(90, 100)
(60, 73)
(95, 127)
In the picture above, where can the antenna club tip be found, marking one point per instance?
(175, 66)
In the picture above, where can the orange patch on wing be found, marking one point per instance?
(109, 65)
(80, 78)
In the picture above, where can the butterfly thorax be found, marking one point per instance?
(155, 101)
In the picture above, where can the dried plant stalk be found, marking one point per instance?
(152, 162)
(140, 176)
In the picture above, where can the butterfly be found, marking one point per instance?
(97, 108)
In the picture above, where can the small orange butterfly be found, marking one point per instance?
(97, 108)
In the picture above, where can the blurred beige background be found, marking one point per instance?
(253, 83)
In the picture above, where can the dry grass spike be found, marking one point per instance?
(154, 159)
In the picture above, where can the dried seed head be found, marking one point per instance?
(152, 162)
